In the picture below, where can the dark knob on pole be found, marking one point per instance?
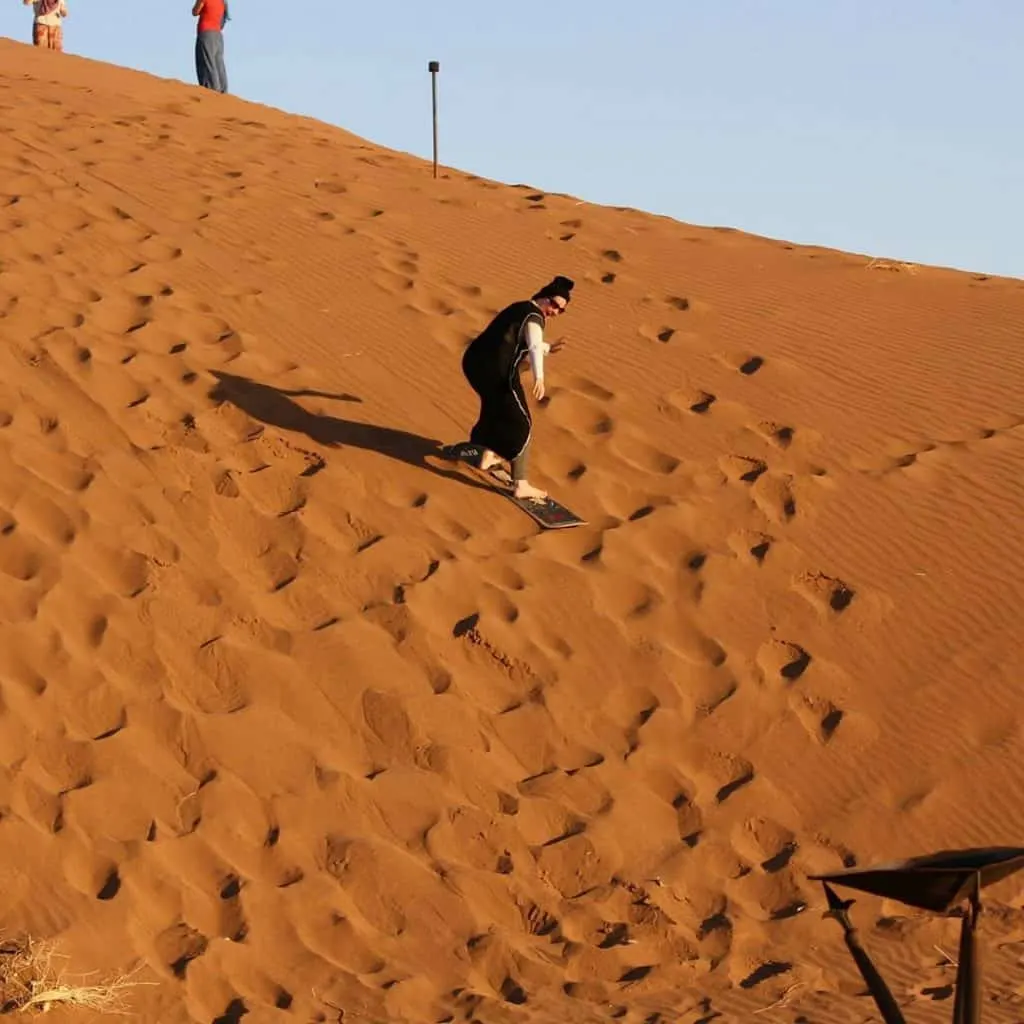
(434, 66)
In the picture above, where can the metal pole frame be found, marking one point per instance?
(434, 67)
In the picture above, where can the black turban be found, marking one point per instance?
(560, 287)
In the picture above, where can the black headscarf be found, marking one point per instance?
(560, 287)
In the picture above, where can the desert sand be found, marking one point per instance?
(299, 724)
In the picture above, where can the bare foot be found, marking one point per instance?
(525, 490)
(488, 460)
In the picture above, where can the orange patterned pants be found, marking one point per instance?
(49, 36)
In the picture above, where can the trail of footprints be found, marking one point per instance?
(915, 458)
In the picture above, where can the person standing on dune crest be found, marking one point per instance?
(47, 28)
(492, 364)
(210, 68)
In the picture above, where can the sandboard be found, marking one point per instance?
(550, 514)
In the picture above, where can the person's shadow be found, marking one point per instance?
(275, 408)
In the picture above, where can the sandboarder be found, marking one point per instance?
(492, 364)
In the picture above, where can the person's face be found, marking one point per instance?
(554, 306)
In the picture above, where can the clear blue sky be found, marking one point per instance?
(890, 128)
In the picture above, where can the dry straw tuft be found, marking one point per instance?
(31, 979)
(879, 264)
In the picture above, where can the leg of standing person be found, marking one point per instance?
(206, 63)
(519, 420)
(519, 464)
(210, 61)
(48, 37)
(521, 487)
(222, 71)
(202, 75)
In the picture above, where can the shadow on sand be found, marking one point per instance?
(276, 408)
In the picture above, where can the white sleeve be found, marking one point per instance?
(537, 347)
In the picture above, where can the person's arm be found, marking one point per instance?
(197, 8)
(537, 348)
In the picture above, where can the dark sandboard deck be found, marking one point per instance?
(549, 514)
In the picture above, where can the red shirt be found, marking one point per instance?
(211, 17)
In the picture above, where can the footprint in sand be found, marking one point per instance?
(780, 659)
(765, 972)
(818, 715)
(911, 458)
(404, 263)
(64, 764)
(589, 388)
(153, 250)
(91, 873)
(177, 946)
(331, 187)
(433, 305)
(18, 559)
(65, 471)
(702, 402)
(120, 314)
(765, 842)
(739, 773)
(578, 413)
(774, 496)
(689, 819)
(742, 468)
(746, 363)
(749, 544)
(636, 451)
(778, 434)
(661, 334)
(393, 282)
(826, 593)
(694, 400)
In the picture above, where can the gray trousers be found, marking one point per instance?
(519, 466)
(210, 68)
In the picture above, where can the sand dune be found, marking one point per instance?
(304, 726)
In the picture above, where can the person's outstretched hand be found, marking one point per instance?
(557, 346)
(538, 389)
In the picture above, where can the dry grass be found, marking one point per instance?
(31, 979)
(880, 264)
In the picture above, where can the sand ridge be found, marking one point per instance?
(299, 720)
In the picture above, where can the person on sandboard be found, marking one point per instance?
(492, 364)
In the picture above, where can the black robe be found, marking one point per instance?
(491, 365)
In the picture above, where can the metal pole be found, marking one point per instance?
(433, 67)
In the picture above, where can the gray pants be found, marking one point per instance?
(519, 466)
(210, 61)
